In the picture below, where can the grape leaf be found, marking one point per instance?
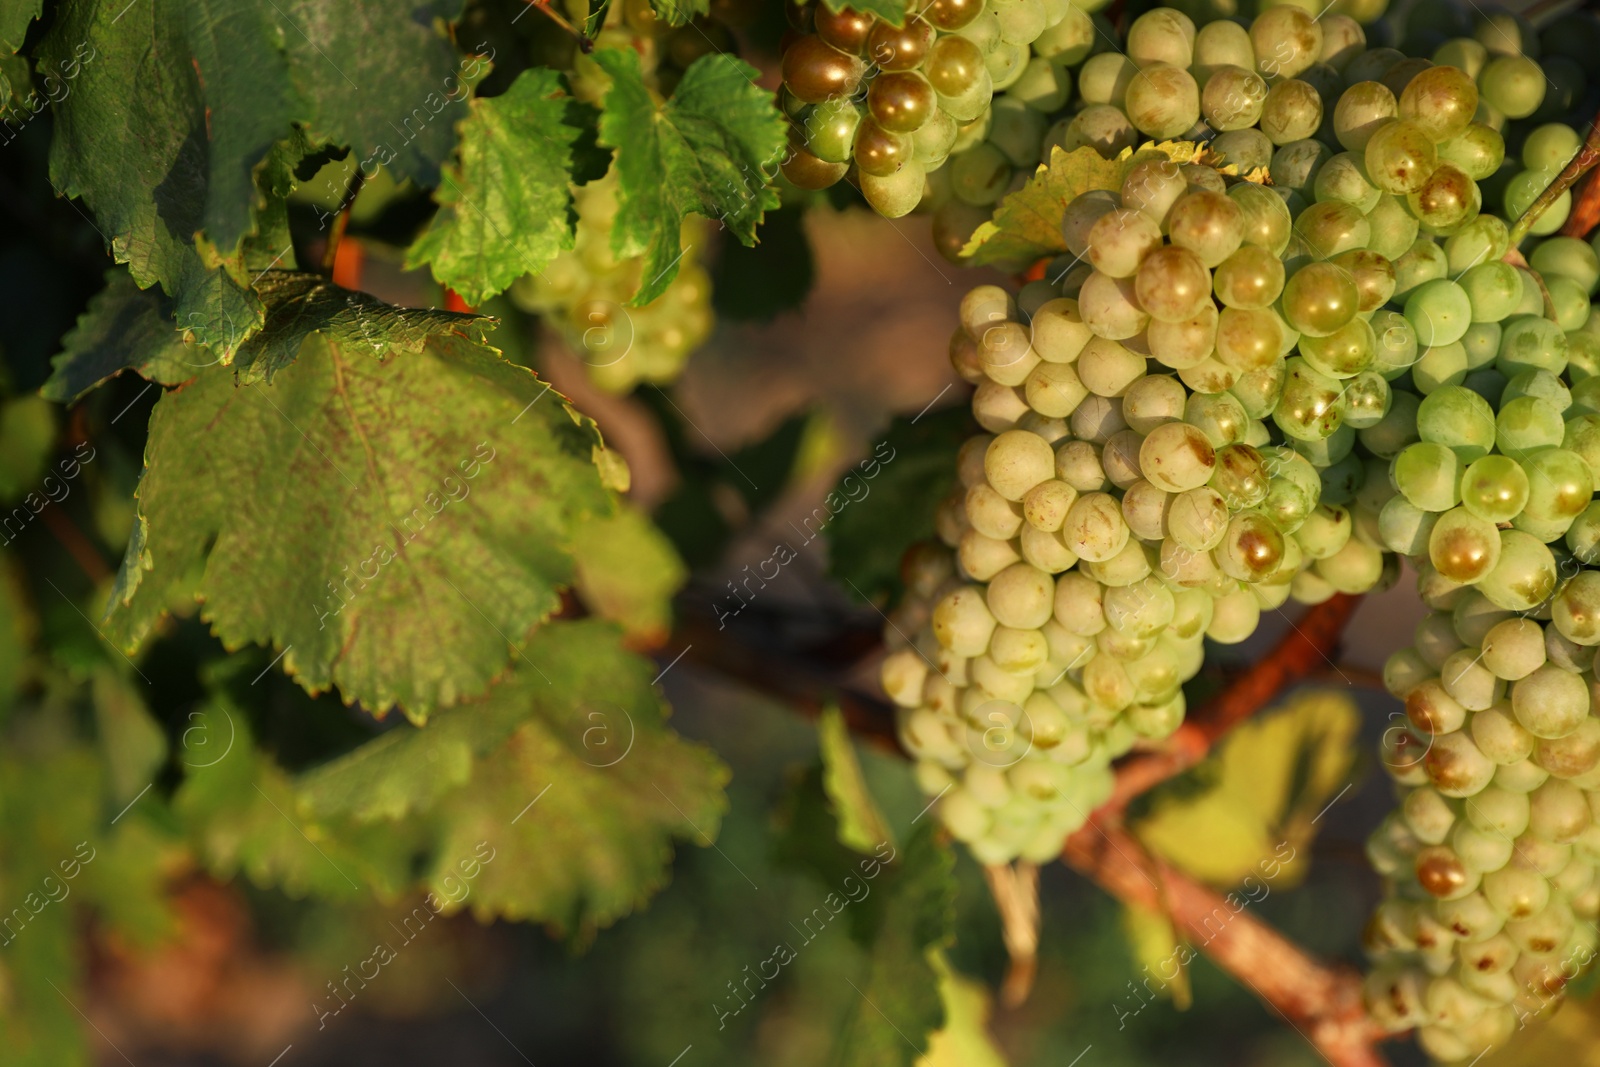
(886, 502)
(503, 208)
(899, 1005)
(890, 11)
(327, 515)
(1027, 224)
(680, 12)
(15, 17)
(131, 743)
(244, 815)
(1260, 793)
(27, 440)
(123, 327)
(300, 306)
(566, 770)
(964, 1040)
(381, 79)
(707, 150)
(775, 276)
(628, 572)
(861, 825)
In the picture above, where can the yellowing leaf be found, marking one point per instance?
(1264, 790)
(1156, 948)
(964, 1039)
(1027, 225)
(861, 825)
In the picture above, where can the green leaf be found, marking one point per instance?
(1251, 808)
(15, 17)
(886, 502)
(1155, 947)
(131, 743)
(891, 11)
(899, 1003)
(775, 276)
(628, 572)
(964, 1040)
(18, 630)
(327, 516)
(27, 440)
(504, 206)
(680, 12)
(301, 306)
(861, 825)
(707, 151)
(1027, 224)
(567, 772)
(244, 815)
(123, 327)
(382, 79)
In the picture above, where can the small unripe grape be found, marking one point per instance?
(1163, 101)
(1513, 85)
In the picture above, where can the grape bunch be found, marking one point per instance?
(893, 102)
(583, 295)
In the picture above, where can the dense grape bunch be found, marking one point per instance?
(1229, 394)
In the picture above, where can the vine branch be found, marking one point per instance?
(1321, 1001)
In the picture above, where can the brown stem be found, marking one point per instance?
(1579, 165)
(341, 221)
(1585, 209)
(77, 544)
(1321, 1001)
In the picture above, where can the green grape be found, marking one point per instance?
(1320, 298)
(1248, 340)
(1371, 65)
(1161, 35)
(1550, 702)
(1104, 78)
(1428, 475)
(1367, 400)
(1440, 312)
(897, 194)
(1107, 368)
(1258, 390)
(1394, 228)
(1463, 547)
(1459, 419)
(1172, 285)
(1247, 149)
(1527, 424)
(1582, 438)
(1292, 111)
(1044, 86)
(1568, 257)
(1324, 532)
(1184, 345)
(1478, 150)
(1021, 21)
(1240, 476)
(1295, 167)
(1163, 101)
(1494, 488)
(1362, 109)
(1530, 342)
(1440, 366)
(1014, 128)
(1104, 128)
(1494, 290)
(1423, 262)
(1397, 344)
(1211, 225)
(1570, 301)
(1264, 218)
(1374, 276)
(1550, 147)
(1312, 404)
(1342, 40)
(1343, 178)
(1331, 228)
(1399, 157)
(1560, 486)
(1233, 98)
(1513, 85)
(1482, 343)
(1120, 239)
(1176, 457)
(1110, 307)
(1480, 241)
(1251, 278)
(1448, 200)
(831, 129)
(1463, 53)
(1404, 527)
(1441, 100)
(1286, 41)
(979, 176)
(1346, 352)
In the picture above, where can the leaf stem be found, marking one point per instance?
(1579, 165)
(341, 221)
(585, 43)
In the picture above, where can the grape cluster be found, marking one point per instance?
(583, 294)
(958, 77)
(1492, 853)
